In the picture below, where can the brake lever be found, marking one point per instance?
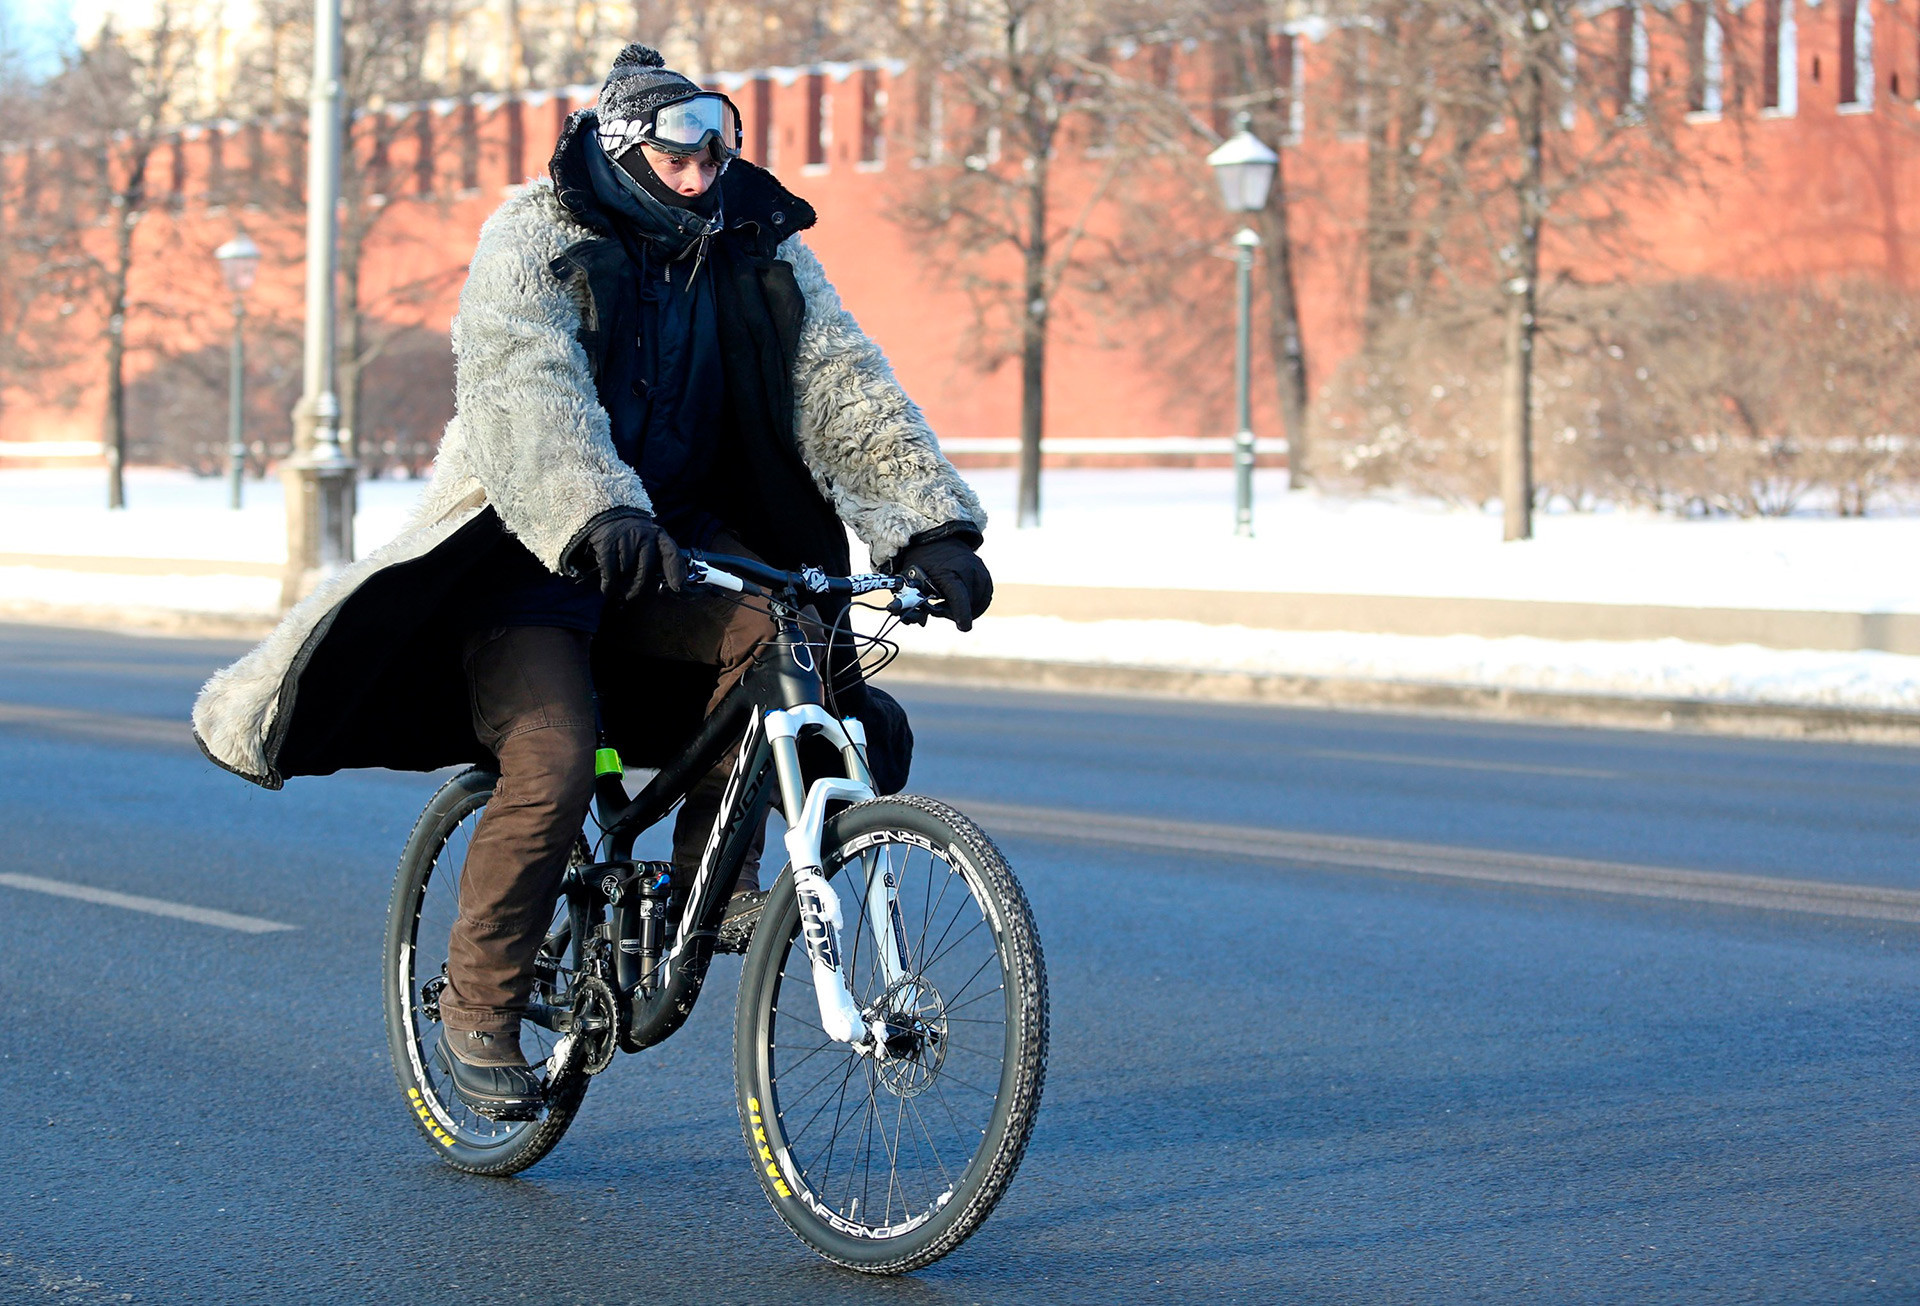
(910, 606)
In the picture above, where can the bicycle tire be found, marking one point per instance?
(770, 1076)
(453, 1130)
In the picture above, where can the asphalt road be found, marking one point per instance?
(1300, 1051)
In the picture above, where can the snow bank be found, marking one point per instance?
(1664, 668)
(1173, 529)
(171, 514)
(225, 596)
(1155, 529)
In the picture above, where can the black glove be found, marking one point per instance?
(630, 554)
(942, 564)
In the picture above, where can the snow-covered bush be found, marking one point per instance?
(1694, 397)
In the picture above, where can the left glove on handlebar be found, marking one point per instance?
(630, 554)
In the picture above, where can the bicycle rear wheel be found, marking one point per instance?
(426, 897)
(886, 1163)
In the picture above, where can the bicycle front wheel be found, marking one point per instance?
(884, 1163)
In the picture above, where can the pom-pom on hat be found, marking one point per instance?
(639, 84)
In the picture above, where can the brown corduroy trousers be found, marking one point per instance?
(531, 690)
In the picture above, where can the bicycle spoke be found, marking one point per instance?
(978, 997)
(958, 1128)
(801, 1096)
(935, 960)
(817, 1050)
(839, 1109)
(932, 1146)
(842, 1090)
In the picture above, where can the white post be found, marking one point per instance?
(1245, 242)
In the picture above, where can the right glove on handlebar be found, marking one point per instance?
(949, 570)
(629, 553)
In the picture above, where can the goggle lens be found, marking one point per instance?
(690, 122)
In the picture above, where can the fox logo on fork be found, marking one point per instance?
(822, 947)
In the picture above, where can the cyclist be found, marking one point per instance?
(648, 356)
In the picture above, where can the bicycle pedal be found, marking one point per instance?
(736, 930)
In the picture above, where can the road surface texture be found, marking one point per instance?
(1346, 1007)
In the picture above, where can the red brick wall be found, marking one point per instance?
(1822, 193)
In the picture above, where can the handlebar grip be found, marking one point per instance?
(705, 573)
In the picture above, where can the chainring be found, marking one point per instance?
(599, 1021)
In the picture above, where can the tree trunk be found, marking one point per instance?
(1386, 226)
(1033, 344)
(1516, 406)
(116, 417)
(1283, 332)
(1285, 342)
(116, 422)
(346, 366)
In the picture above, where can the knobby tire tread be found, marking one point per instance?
(1024, 946)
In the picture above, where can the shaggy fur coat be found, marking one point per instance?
(530, 446)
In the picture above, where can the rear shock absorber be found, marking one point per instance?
(652, 887)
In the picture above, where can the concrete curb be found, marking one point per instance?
(1702, 716)
(142, 566)
(1379, 614)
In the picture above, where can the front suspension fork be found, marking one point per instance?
(822, 921)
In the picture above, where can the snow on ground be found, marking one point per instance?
(1173, 529)
(244, 596)
(1663, 668)
(171, 514)
(1155, 528)
(1160, 528)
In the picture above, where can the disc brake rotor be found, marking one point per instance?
(912, 1057)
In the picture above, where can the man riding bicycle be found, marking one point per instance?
(647, 357)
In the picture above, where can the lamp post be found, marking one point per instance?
(320, 480)
(239, 262)
(1244, 167)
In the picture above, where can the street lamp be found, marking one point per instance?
(320, 477)
(1244, 167)
(239, 262)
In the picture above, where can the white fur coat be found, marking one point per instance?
(530, 439)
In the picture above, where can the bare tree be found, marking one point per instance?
(117, 96)
(35, 274)
(1018, 80)
(1521, 128)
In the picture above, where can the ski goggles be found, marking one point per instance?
(704, 121)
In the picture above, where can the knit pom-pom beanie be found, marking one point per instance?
(640, 83)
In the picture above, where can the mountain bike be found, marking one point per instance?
(890, 1039)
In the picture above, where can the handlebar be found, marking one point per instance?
(750, 576)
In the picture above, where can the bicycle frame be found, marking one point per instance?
(779, 701)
